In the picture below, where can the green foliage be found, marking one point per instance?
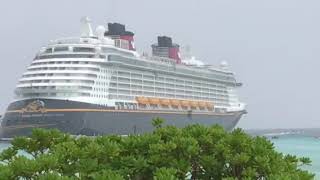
(168, 153)
(157, 122)
(106, 175)
(52, 176)
(165, 174)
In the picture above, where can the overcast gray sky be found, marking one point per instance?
(272, 45)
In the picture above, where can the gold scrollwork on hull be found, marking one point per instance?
(34, 106)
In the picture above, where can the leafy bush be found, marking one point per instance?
(168, 153)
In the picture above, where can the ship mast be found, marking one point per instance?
(86, 29)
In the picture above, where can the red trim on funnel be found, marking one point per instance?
(130, 39)
(174, 54)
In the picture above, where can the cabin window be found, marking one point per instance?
(61, 49)
(83, 49)
(48, 50)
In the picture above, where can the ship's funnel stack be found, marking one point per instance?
(123, 39)
(166, 48)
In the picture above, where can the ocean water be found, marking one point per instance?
(299, 145)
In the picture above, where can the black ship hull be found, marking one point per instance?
(88, 119)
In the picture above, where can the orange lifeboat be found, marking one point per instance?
(165, 102)
(209, 105)
(154, 101)
(142, 100)
(175, 102)
(202, 104)
(185, 103)
(194, 104)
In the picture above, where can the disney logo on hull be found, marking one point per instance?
(35, 106)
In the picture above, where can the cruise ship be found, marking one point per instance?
(97, 83)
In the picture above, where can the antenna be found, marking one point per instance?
(86, 30)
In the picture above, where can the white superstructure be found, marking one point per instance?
(104, 70)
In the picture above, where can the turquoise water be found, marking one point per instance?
(301, 146)
(3, 145)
